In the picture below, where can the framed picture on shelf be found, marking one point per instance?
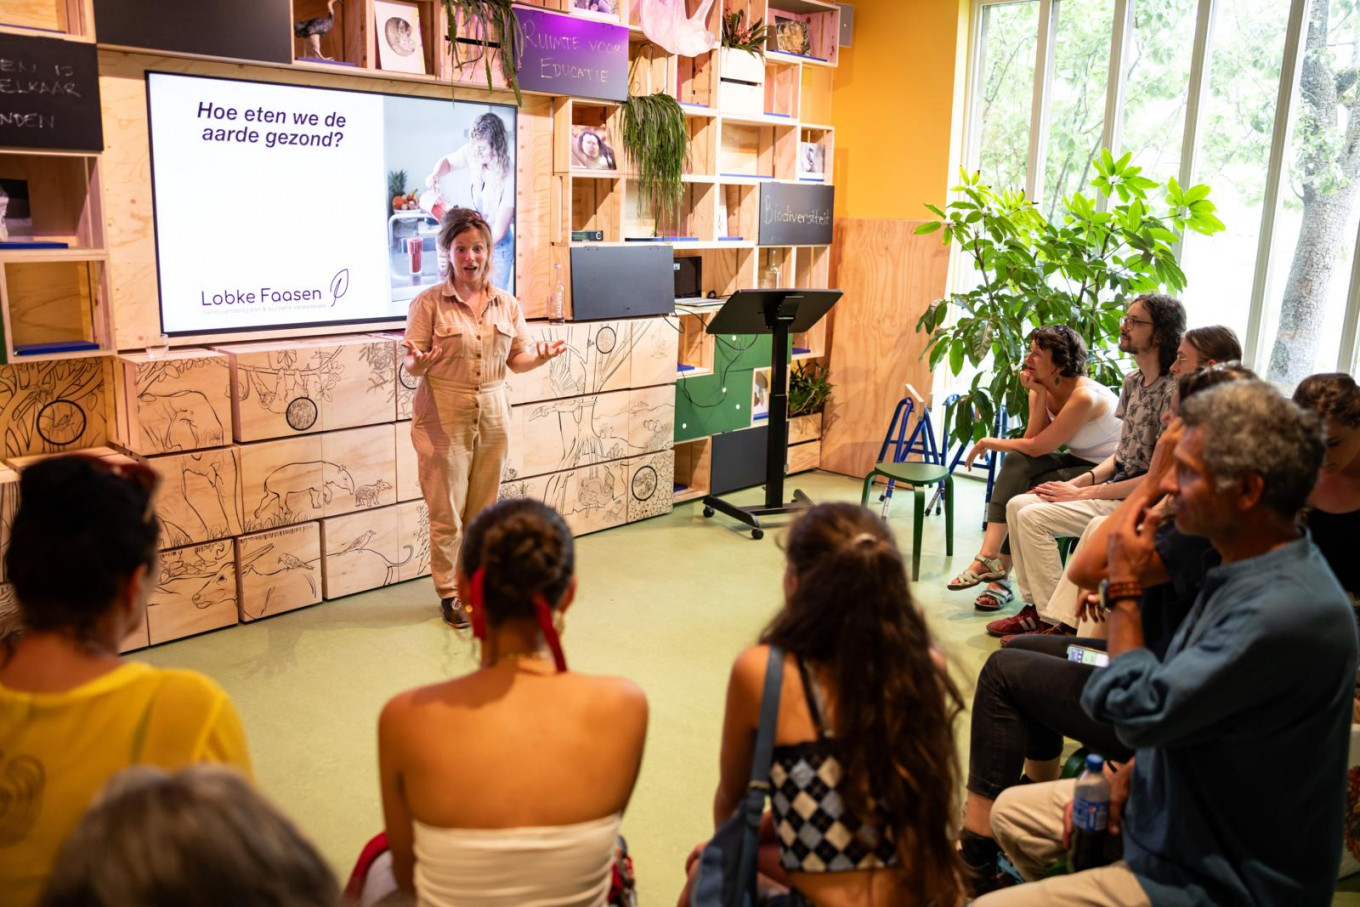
(16, 218)
(606, 9)
(792, 36)
(398, 32)
(590, 149)
(811, 161)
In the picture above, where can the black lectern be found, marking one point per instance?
(780, 313)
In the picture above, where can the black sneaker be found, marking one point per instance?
(454, 614)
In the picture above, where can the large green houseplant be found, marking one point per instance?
(1031, 272)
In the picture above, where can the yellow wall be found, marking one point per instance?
(896, 107)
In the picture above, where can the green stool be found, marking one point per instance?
(918, 476)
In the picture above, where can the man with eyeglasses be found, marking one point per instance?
(1151, 333)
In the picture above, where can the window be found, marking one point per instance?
(1297, 307)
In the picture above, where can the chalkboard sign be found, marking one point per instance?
(566, 55)
(238, 29)
(49, 94)
(795, 215)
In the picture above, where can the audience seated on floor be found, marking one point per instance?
(1066, 408)
(507, 786)
(1151, 332)
(198, 837)
(1260, 674)
(82, 558)
(863, 774)
(1028, 696)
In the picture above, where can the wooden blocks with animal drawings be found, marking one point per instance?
(365, 389)
(287, 481)
(651, 418)
(559, 435)
(200, 496)
(366, 462)
(362, 551)
(413, 528)
(9, 506)
(279, 570)
(404, 383)
(651, 485)
(590, 498)
(52, 406)
(277, 387)
(655, 350)
(195, 591)
(175, 402)
(598, 359)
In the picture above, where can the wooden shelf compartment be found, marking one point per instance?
(703, 146)
(695, 355)
(571, 118)
(740, 206)
(755, 150)
(693, 467)
(696, 80)
(782, 260)
(724, 270)
(653, 71)
(55, 309)
(350, 39)
(587, 204)
(470, 67)
(820, 22)
(782, 84)
(63, 197)
(694, 219)
(824, 138)
(812, 271)
(751, 9)
(814, 99)
(72, 18)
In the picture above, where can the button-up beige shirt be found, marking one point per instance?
(472, 351)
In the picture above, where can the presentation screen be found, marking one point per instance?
(281, 206)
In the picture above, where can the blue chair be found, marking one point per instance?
(930, 470)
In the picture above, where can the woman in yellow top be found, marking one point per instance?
(82, 559)
(460, 338)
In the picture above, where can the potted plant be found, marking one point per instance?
(1032, 272)
(486, 25)
(657, 142)
(737, 36)
(809, 389)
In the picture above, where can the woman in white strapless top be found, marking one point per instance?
(507, 786)
(1065, 408)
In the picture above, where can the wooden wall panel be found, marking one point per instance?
(651, 418)
(367, 457)
(562, 434)
(196, 591)
(365, 389)
(278, 388)
(413, 529)
(127, 169)
(590, 498)
(279, 570)
(408, 467)
(655, 351)
(890, 277)
(651, 485)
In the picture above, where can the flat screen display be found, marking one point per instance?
(283, 206)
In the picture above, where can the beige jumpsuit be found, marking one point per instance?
(460, 420)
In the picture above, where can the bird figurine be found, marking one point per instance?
(311, 30)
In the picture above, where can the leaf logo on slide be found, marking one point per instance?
(339, 285)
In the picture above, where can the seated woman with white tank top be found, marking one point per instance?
(507, 786)
(1066, 408)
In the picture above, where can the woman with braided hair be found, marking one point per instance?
(1066, 408)
(507, 786)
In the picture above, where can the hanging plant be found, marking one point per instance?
(738, 37)
(657, 142)
(488, 25)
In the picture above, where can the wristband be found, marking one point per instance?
(1113, 592)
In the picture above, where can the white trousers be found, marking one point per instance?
(1027, 820)
(1061, 607)
(1035, 527)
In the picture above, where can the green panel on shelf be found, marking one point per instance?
(710, 404)
(743, 351)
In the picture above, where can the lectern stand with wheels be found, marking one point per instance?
(780, 313)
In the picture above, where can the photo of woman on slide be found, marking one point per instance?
(487, 160)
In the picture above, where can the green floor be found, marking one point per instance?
(667, 602)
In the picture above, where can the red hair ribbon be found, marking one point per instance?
(550, 632)
(478, 605)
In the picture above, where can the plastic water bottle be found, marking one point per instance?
(557, 304)
(1090, 817)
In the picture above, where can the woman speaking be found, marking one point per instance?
(460, 337)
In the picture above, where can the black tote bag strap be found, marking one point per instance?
(759, 786)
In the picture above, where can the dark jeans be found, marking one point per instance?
(1019, 473)
(1028, 699)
